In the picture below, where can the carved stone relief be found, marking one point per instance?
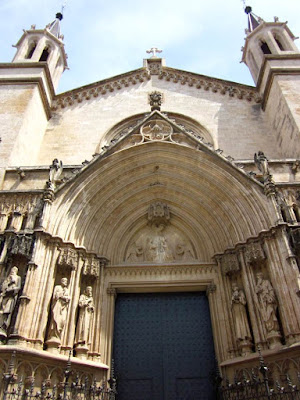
(159, 241)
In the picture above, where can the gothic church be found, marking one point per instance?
(151, 218)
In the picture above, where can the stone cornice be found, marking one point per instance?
(118, 82)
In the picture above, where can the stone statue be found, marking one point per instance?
(59, 310)
(157, 247)
(86, 311)
(261, 162)
(267, 303)
(8, 298)
(238, 306)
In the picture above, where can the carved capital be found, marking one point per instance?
(229, 263)
(254, 254)
(68, 257)
(111, 291)
(211, 288)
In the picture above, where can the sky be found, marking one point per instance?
(106, 38)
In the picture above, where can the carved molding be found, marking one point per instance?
(101, 88)
(174, 270)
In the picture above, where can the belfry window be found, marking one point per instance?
(45, 54)
(265, 48)
(279, 44)
(30, 51)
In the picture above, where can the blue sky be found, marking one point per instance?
(104, 38)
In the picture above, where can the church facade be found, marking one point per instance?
(157, 186)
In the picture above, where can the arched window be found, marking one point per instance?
(265, 48)
(45, 54)
(30, 51)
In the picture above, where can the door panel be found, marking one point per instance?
(163, 347)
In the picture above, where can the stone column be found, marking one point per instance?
(111, 297)
(248, 280)
(94, 352)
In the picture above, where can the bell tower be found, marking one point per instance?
(274, 62)
(44, 45)
(27, 89)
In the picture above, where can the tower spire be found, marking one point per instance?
(253, 20)
(54, 27)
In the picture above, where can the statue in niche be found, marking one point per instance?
(238, 307)
(86, 311)
(157, 248)
(8, 298)
(59, 310)
(267, 303)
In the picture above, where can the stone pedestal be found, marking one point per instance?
(245, 347)
(274, 340)
(53, 345)
(81, 351)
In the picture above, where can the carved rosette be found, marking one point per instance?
(254, 254)
(229, 264)
(68, 257)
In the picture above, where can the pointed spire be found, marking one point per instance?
(54, 27)
(253, 20)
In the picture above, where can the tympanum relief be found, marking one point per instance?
(159, 241)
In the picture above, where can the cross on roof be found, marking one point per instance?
(153, 50)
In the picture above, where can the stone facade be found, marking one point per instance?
(148, 182)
